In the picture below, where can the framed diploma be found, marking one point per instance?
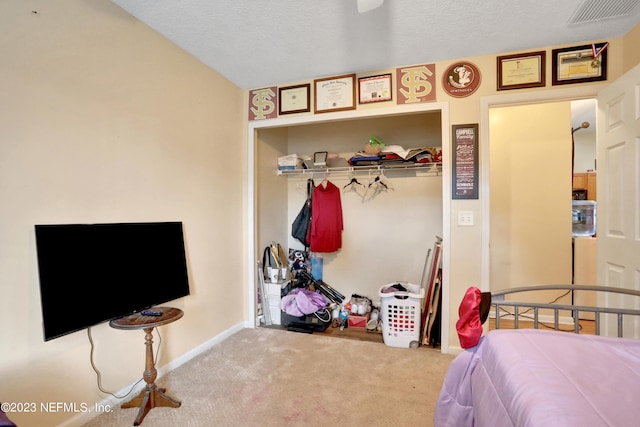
(521, 71)
(374, 89)
(580, 64)
(295, 99)
(335, 93)
(465, 161)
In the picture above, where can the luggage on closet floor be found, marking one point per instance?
(314, 322)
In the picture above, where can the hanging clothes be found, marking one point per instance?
(326, 218)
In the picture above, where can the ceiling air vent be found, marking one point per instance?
(598, 10)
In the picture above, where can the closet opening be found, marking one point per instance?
(391, 217)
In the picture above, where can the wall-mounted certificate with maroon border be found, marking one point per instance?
(522, 70)
(374, 89)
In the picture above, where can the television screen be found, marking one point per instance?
(92, 273)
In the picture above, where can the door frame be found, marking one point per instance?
(252, 133)
(570, 93)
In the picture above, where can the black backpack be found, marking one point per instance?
(301, 227)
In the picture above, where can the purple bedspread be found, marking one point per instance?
(543, 378)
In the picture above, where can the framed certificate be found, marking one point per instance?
(521, 71)
(580, 64)
(335, 94)
(295, 99)
(374, 89)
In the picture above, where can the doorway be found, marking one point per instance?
(583, 126)
(533, 188)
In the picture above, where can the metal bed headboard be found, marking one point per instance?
(498, 300)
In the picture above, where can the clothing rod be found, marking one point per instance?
(432, 168)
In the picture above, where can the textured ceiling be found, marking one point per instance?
(259, 43)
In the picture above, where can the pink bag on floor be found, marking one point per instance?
(301, 301)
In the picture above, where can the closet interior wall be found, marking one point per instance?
(387, 232)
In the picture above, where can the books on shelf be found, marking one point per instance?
(397, 154)
(362, 159)
(405, 154)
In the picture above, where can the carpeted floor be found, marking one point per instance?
(267, 377)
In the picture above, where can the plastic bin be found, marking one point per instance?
(583, 218)
(400, 314)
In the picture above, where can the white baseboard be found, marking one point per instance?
(200, 349)
(134, 388)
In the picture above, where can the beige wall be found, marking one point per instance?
(103, 120)
(631, 55)
(530, 195)
(273, 144)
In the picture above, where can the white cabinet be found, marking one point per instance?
(274, 295)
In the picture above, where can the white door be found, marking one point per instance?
(618, 183)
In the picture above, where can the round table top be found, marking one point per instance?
(140, 321)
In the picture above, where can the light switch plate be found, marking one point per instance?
(465, 218)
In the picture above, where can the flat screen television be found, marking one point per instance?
(93, 273)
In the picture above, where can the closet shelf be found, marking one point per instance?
(424, 168)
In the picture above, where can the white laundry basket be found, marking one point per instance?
(401, 314)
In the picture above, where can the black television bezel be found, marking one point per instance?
(84, 307)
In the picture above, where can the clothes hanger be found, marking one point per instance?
(324, 180)
(301, 186)
(353, 181)
(377, 181)
(384, 181)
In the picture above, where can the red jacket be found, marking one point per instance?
(326, 219)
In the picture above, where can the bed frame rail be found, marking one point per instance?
(499, 302)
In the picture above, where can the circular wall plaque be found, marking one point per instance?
(461, 79)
